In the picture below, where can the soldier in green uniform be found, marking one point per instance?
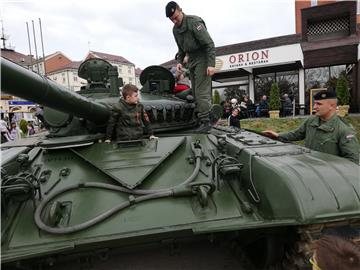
(325, 131)
(128, 117)
(194, 42)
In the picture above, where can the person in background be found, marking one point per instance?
(263, 108)
(197, 50)
(325, 131)
(128, 117)
(15, 131)
(234, 120)
(287, 105)
(5, 133)
(182, 83)
(234, 103)
(226, 109)
(245, 106)
(173, 71)
(335, 253)
(250, 106)
(31, 129)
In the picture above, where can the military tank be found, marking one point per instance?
(226, 199)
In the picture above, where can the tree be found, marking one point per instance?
(274, 102)
(331, 83)
(263, 86)
(342, 90)
(232, 92)
(216, 97)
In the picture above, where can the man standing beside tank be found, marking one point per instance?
(325, 131)
(194, 41)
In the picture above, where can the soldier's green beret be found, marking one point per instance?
(325, 94)
(170, 8)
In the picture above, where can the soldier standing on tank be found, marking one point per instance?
(128, 117)
(193, 40)
(325, 131)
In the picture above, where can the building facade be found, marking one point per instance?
(302, 4)
(126, 69)
(250, 68)
(326, 44)
(52, 62)
(137, 77)
(67, 76)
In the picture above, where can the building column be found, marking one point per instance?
(355, 98)
(302, 91)
(251, 87)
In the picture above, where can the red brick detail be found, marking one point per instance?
(299, 5)
(56, 62)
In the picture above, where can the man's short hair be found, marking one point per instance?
(170, 8)
(128, 90)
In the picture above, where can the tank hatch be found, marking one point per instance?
(130, 162)
(95, 70)
(157, 79)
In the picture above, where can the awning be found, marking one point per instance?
(232, 75)
(21, 111)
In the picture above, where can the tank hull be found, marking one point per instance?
(267, 195)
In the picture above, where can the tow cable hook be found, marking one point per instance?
(203, 190)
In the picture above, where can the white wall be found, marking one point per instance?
(126, 72)
(68, 78)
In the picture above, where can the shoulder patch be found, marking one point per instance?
(199, 27)
(350, 136)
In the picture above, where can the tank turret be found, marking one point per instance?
(69, 113)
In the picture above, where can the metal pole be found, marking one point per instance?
(293, 103)
(42, 45)
(27, 28)
(3, 35)
(37, 58)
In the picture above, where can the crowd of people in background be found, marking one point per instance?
(246, 108)
(13, 132)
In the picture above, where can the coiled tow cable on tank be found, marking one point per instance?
(145, 195)
(221, 162)
(21, 187)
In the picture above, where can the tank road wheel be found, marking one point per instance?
(265, 251)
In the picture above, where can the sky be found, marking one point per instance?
(137, 30)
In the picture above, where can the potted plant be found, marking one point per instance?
(343, 95)
(216, 97)
(274, 102)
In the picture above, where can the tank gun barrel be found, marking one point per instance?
(20, 82)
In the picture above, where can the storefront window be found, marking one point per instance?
(335, 71)
(232, 87)
(316, 77)
(263, 84)
(289, 84)
(323, 77)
